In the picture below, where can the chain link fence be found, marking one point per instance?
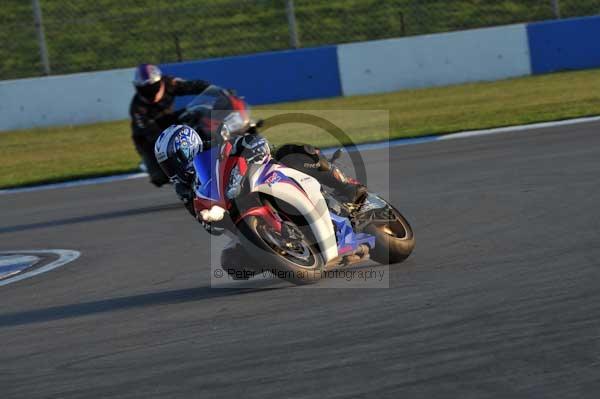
(89, 35)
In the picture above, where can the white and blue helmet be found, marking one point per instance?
(175, 150)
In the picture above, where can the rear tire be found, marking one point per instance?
(258, 241)
(394, 241)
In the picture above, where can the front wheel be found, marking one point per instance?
(288, 256)
(394, 238)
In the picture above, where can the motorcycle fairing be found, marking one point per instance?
(206, 164)
(213, 167)
(303, 192)
(348, 240)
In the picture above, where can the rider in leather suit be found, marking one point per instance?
(177, 146)
(152, 111)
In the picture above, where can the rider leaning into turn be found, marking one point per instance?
(152, 111)
(178, 145)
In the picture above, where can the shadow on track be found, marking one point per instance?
(129, 302)
(90, 218)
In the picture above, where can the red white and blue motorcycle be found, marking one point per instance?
(284, 220)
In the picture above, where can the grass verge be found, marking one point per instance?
(55, 154)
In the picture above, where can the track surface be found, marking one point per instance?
(501, 298)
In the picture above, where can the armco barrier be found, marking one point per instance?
(65, 100)
(434, 60)
(564, 45)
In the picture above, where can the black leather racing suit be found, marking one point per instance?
(148, 120)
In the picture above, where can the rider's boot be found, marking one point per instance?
(354, 193)
(347, 188)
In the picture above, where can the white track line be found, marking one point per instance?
(359, 147)
(64, 256)
(520, 128)
(74, 183)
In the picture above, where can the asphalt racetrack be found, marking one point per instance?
(501, 297)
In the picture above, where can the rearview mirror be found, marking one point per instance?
(336, 155)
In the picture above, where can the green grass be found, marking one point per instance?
(55, 154)
(104, 34)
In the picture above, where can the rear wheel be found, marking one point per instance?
(289, 256)
(394, 238)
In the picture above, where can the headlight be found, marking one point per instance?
(225, 133)
(234, 187)
(234, 122)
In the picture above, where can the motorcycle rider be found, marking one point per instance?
(152, 111)
(177, 146)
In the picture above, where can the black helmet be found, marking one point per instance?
(175, 150)
(147, 81)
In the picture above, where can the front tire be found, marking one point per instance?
(394, 241)
(298, 262)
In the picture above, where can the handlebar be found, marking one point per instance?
(336, 155)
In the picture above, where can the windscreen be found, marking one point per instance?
(207, 111)
(207, 99)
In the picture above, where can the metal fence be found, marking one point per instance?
(41, 37)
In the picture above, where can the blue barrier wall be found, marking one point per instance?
(269, 77)
(564, 45)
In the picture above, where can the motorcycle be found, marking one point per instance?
(284, 220)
